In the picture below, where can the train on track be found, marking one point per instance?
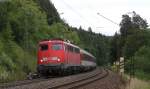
(57, 56)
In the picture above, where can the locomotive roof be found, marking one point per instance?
(59, 41)
(62, 41)
(71, 45)
(46, 41)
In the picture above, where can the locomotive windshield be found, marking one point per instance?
(44, 47)
(57, 47)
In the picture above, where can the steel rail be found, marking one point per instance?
(65, 85)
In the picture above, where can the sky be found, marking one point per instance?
(84, 13)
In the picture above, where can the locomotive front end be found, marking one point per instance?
(50, 57)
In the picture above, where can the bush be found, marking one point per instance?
(142, 75)
(142, 62)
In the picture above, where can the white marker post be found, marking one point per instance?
(121, 65)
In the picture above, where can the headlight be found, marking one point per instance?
(41, 60)
(58, 59)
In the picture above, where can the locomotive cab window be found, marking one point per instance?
(57, 47)
(43, 47)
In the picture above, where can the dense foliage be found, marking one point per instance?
(96, 44)
(133, 44)
(23, 23)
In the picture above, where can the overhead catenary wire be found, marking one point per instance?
(82, 17)
(89, 6)
(108, 19)
(75, 11)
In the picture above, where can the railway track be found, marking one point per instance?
(79, 83)
(66, 82)
(20, 83)
(26, 82)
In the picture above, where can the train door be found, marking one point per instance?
(66, 53)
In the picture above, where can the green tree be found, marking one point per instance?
(115, 48)
(125, 25)
(135, 41)
(138, 21)
(90, 29)
(131, 28)
(50, 10)
(142, 59)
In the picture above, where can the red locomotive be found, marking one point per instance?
(59, 56)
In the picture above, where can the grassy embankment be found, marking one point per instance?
(138, 84)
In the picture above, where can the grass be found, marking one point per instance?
(138, 84)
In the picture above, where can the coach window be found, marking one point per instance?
(43, 47)
(76, 50)
(71, 48)
(57, 47)
(68, 48)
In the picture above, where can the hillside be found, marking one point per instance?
(23, 23)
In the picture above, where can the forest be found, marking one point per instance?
(23, 23)
(133, 44)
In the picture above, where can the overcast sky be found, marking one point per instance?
(84, 13)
